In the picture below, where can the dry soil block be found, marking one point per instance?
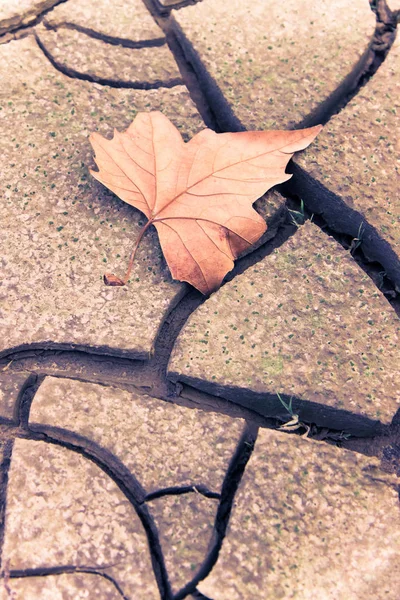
(162, 444)
(306, 322)
(19, 13)
(269, 65)
(81, 55)
(310, 521)
(185, 524)
(12, 386)
(63, 510)
(124, 21)
(61, 229)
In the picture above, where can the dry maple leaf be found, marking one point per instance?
(198, 194)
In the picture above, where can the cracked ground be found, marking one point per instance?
(156, 443)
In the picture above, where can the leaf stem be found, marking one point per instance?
(133, 254)
(112, 280)
(124, 281)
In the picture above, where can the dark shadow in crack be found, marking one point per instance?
(195, 398)
(107, 370)
(115, 83)
(25, 398)
(183, 489)
(63, 570)
(269, 406)
(108, 39)
(199, 596)
(31, 22)
(56, 349)
(6, 447)
(27, 388)
(156, 7)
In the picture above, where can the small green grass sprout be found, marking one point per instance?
(294, 423)
(298, 216)
(357, 241)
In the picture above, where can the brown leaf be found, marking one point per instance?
(199, 194)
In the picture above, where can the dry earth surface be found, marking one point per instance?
(155, 443)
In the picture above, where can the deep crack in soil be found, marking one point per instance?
(114, 83)
(149, 376)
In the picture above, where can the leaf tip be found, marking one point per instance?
(93, 136)
(95, 174)
(315, 130)
(112, 280)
